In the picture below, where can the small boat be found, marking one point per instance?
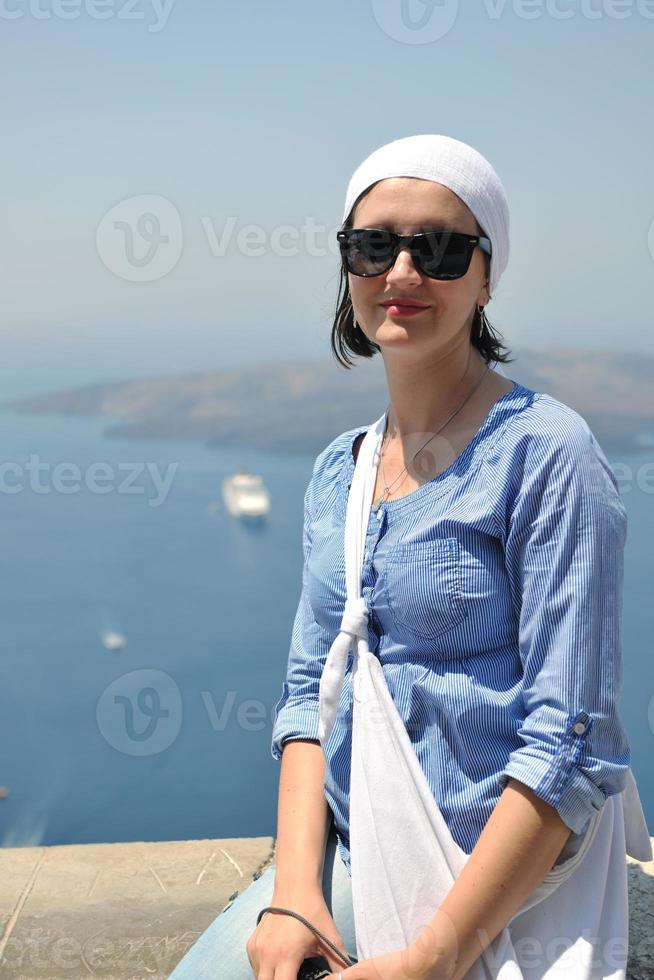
(245, 495)
(113, 640)
(4, 792)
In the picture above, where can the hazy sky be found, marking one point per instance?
(174, 143)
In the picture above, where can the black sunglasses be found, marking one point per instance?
(437, 254)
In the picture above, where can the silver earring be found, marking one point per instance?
(354, 321)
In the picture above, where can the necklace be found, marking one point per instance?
(388, 489)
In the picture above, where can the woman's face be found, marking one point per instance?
(405, 205)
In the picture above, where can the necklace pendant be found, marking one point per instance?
(380, 500)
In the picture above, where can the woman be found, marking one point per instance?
(489, 604)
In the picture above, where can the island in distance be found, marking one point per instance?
(300, 406)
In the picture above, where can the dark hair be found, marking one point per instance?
(346, 339)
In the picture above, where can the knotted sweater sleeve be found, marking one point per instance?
(565, 529)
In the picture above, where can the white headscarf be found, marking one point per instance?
(457, 166)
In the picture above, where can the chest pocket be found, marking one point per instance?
(422, 587)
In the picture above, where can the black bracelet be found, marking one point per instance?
(347, 959)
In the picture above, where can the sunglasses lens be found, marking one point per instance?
(438, 254)
(368, 252)
(443, 255)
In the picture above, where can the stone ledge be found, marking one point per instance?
(116, 911)
(131, 911)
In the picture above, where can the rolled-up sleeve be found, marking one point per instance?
(296, 712)
(564, 552)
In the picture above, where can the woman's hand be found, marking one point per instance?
(283, 941)
(415, 962)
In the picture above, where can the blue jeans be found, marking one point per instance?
(220, 950)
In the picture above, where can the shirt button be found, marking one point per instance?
(581, 723)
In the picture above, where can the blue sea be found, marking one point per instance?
(169, 737)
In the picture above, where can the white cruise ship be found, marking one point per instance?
(245, 495)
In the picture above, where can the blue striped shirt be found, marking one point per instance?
(495, 597)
